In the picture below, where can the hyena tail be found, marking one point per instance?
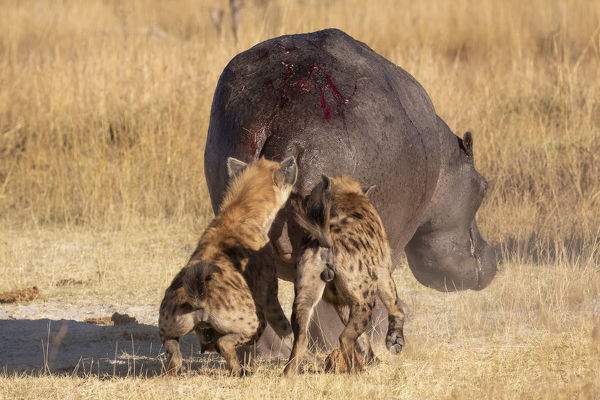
(394, 340)
(313, 213)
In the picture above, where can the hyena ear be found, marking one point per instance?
(326, 183)
(235, 167)
(288, 171)
(325, 196)
(368, 190)
(466, 144)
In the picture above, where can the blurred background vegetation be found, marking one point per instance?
(104, 104)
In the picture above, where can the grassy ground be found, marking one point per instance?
(534, 333)
(530, 334)
(104, 108)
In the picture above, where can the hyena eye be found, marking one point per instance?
(333, 211)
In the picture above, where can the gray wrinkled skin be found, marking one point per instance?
(340, 108)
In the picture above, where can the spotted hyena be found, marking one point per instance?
(224, 293)
(346, 261)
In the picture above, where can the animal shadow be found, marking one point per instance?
(78, 348)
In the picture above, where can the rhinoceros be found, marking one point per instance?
(342, 109)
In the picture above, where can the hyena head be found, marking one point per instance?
(313, 213)
(189, 284)
(256, 192)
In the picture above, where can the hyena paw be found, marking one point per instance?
(335, 362)
(328, 274)
(174, 365)
(394, 342)
(370, 358)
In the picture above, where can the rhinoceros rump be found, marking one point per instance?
(341, 108)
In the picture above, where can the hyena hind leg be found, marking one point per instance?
(388, 294)
(363, 343)
(351, 360)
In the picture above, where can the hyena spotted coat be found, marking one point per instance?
(224, 293)
(345, 234)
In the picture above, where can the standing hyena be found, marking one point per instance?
(345, 234)
(222, 293)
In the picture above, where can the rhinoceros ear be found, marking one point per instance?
(368, 190)
(235, 167)
(467, 144)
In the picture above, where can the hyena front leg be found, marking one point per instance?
(227, 345)
(346, 358)
(308, 290)
(274, 313)
(363, 343)
(267, 284)
(174, 360)
(394, 340)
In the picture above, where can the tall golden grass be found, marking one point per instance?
(104, 104)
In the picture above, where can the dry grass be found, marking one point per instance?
(104, 104)
(103, 110)
(529, 335)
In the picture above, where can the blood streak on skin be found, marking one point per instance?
(334, 90)
(325, 106)
(317, 77)
(253, 140)
(326, 82)
(304, 85)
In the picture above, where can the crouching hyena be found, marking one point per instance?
(345, 234)
(224, 293)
